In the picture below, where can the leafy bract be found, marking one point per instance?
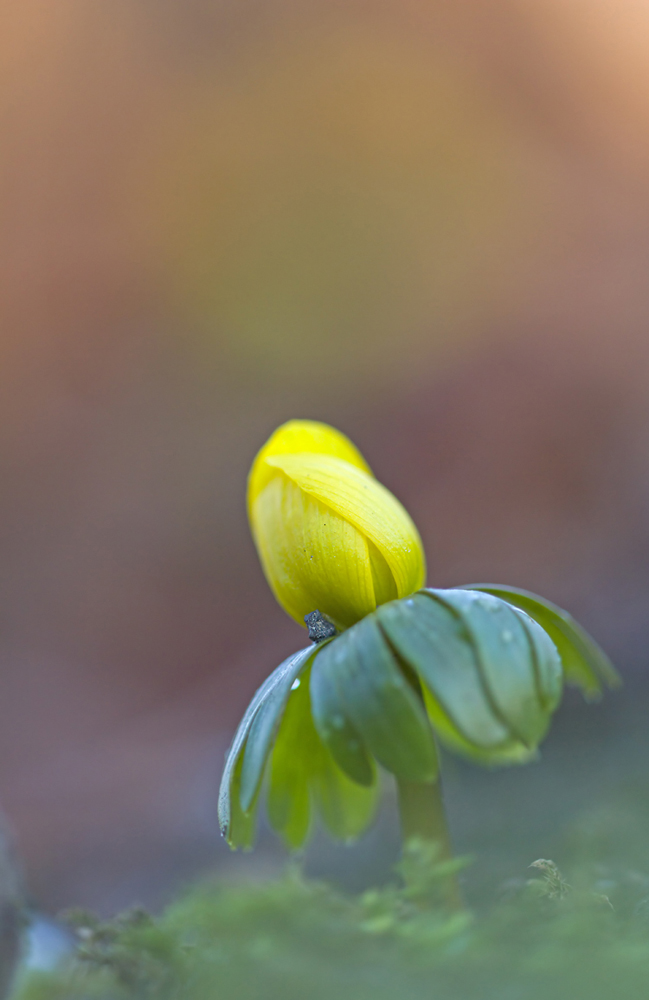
(505, 660)
(585, 665)
(305, 777)
(235, 827)
(358, 685)
(481, 667)
(433, 642)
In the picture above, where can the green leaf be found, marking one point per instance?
(334, 726)
(585, 665)
(265, 724)
(304, 773)
(505, 658)
(346, 807)
(547, 662)
(241, 826)
(434, 642)
(289, 801)
(232, 769)
(379, 701)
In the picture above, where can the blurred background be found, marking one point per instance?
(424, 222)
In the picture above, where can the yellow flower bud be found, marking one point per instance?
(329, 536)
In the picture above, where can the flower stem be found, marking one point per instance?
(421, 809)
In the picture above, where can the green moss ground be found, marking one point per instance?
(294, 938)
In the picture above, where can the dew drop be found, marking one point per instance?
(295, 684)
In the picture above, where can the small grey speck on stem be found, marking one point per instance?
(319, 626)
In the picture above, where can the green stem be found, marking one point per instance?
(421, 808)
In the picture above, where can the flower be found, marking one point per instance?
(479, 669)
(329, 535)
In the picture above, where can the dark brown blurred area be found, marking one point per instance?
(426, 223)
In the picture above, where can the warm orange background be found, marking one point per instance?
(425, 222)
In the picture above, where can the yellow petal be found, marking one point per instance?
(299, 436)
(312, 557)
(367, 505)
(328, 534)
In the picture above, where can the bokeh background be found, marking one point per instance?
(424, 222)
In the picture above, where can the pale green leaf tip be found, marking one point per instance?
(595, 671)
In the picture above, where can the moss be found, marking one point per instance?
(291, 938)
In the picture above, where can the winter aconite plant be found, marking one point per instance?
(393, 666)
